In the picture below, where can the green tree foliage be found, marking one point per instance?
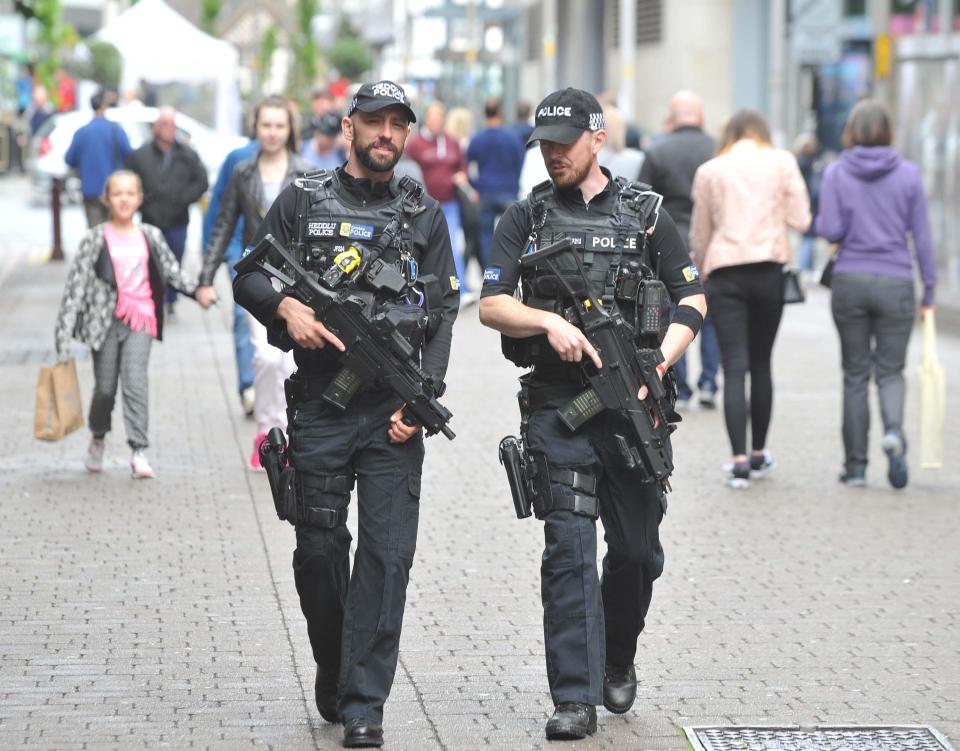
(304, 69)
(105, 64)
(209, 13)
(268, 45)
(350, 55)
(53, 37)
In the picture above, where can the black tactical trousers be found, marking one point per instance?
(588, 621)
(354, 619)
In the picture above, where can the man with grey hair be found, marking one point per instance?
(669, 169)
(173, 178)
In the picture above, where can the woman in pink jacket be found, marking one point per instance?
(744, 199)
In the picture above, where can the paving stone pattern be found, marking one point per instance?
(162, 614)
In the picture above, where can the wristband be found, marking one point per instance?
(688, 316)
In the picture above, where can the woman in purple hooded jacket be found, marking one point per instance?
(870, 201)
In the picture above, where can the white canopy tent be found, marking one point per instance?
(160, 46)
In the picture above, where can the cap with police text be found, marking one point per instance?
(375, 96)
(563, 115)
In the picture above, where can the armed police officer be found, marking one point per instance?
(630, 262)
(332, 219)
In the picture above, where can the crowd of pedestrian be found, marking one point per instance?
(709, 222)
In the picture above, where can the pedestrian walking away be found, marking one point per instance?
(495, 156)
(354, 617)
(591, 625)
(744, 200)
(173, 178)
(242, 343)
(870, 201)
(669, 169)
(113, 303)
(97, 150)
(253, 187)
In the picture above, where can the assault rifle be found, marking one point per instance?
(625, 369)
(375, 349)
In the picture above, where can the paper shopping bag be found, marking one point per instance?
(58, 410)
(933, 397)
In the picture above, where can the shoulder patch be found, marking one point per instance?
(691, 273)
(491, 274)
(454, 283)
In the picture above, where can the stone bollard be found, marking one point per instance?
(56, 188)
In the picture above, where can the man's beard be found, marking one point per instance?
(572, 176)
(377, 163)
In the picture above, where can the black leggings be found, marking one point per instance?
(746, 303)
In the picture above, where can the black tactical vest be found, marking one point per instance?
(605, 241)
(328, 225)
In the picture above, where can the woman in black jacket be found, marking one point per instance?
(253, 187)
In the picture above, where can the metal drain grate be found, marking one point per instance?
(820, 738)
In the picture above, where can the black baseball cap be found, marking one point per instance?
(375, 96)
(564, 115)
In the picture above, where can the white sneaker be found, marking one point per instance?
(246, 399)
(140, 468)
(94, 459)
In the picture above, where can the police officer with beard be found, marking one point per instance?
(354, 618)
(591, 624)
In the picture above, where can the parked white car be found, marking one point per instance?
(49, 146)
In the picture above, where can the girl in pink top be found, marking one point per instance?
(113, 302)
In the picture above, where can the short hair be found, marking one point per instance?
(523, 110)
(275, 101)
(744, 124)
(120, 173)
(491, 106)
(867, 125)
(96, 101)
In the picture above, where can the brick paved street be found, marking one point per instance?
(163, 613)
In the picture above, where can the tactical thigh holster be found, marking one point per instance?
(581, 498)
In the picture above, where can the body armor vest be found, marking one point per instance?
(333, 233)
(610, 245)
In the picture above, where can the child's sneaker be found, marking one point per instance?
(738, 475)
(94, 459)
(254, 461)
(761, 465)
(140, 468)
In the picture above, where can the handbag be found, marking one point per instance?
(58, 411)
(792, 286)
(933, 396)
(826, 276)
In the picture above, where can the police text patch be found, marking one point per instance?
(321, 229)
(491, 275)
(356, 231)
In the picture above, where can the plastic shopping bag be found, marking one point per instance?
(58, 410)
(933, 397)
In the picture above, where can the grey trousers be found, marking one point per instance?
(874, 316)
(124, 357)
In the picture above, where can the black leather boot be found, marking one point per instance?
(572, 721)
(619, 688)
(361, 733)
(325, 694)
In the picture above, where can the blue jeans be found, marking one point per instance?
(491, 207)
(451, 212)
(242, 346)
(710, 363)
(176, 238)
(805, 257)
